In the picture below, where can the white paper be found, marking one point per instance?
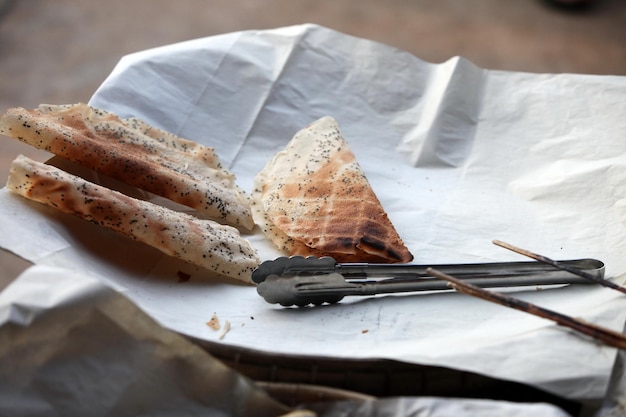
(433, 407)
(457, 154)
(71, 346)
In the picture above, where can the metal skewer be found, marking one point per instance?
(302, 281)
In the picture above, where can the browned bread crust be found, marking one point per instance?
(206, 243)
(313, 199)
(136, 153)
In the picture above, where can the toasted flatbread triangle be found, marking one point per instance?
(313, 198)
(136, 153)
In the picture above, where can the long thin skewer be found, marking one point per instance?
(608, 336)
(568, 268)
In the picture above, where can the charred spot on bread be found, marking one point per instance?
(313, 198)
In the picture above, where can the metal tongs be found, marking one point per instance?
(302, 281)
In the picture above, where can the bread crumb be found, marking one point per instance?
(214, 323)
(364, 331)
(183, 276)
(224, 330)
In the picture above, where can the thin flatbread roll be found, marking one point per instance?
(136, 153)
(206, 243)
(313, 198)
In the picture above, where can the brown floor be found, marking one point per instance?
(60, 51)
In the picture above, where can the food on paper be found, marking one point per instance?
(313, 198)
(225, 330)
(214, 323)
(206, 243)
(136, 153)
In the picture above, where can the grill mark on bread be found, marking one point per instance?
(134, 152)
(314, 199)
(205, 243)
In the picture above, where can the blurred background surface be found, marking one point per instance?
(60, 51)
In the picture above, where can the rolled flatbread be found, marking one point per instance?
(313, 198)
(135, 153)
(206, 243)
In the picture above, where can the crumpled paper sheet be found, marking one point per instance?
(457, 154)
(431, 407)
(72, 346)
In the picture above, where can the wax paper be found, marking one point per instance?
(458, 156)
